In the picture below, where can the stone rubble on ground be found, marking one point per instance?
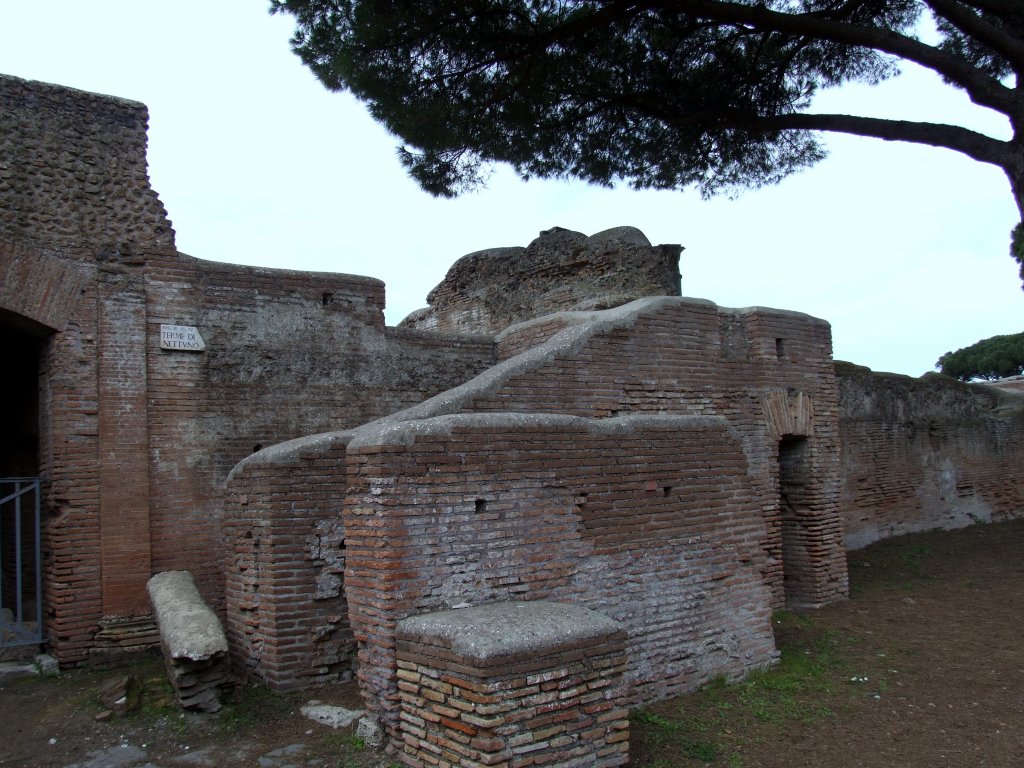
(331, 716)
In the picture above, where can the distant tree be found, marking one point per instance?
(993, 358)
(656, 93)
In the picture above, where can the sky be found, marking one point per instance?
(903, 249)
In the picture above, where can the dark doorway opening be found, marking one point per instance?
(20, 609)
(794, 488)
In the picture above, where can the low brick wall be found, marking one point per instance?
(510, 685)
(287, 621)
(649, 520)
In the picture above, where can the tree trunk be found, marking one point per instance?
(1014, 169)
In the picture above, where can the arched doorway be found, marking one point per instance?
(20, 550)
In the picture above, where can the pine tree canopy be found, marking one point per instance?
(993, 358)
(658, 94)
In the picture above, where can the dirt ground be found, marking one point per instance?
(922, 667)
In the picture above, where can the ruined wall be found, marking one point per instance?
(487, 291)
(926, 453)
(135, 441)
(287, 618)
(77, 218)
(768, 371)
(73, 170)
(650, 520)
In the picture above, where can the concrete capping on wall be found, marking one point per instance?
(506, 682)
(387, 432)
(499, 634)
(285, 454)
(437, 338)
(566, 342)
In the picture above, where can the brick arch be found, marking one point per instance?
(788, 413)
(37, 289)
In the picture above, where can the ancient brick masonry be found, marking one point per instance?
(287, 619)
(768, 371)
(561, 474)
(675, 465)
(511, 685)
(133, 441)
(926, 453)
(619, 515)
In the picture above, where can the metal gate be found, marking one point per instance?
(21, 593)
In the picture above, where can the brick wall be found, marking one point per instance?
(512, 685)
(926, 453)
(69, 466)
(650, 520)
(768, 371)
(135, 441)
(429, 512)
(287, 619)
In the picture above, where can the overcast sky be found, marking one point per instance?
(904, 249)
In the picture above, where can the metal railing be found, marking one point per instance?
(21, 588)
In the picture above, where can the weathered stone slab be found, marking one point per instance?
(486, 632)
(189, 629)
(193, 641)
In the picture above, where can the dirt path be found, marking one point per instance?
(924, 666)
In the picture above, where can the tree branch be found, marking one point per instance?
(975, 26)
(982, 89)
(975, 145)
(1003, 9)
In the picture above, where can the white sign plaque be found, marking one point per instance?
(182, 338)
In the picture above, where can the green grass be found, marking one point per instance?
(811, 674)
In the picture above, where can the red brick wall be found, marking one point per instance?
(70, 468)
(768, 371)
(134, 441)
(652, 521)
(546, 690)
(926, 453)
(123, 437)
(287, 620)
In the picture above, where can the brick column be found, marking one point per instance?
(123, 438)
(511, 685)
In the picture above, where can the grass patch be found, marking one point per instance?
(713, 725)
(251, 705)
